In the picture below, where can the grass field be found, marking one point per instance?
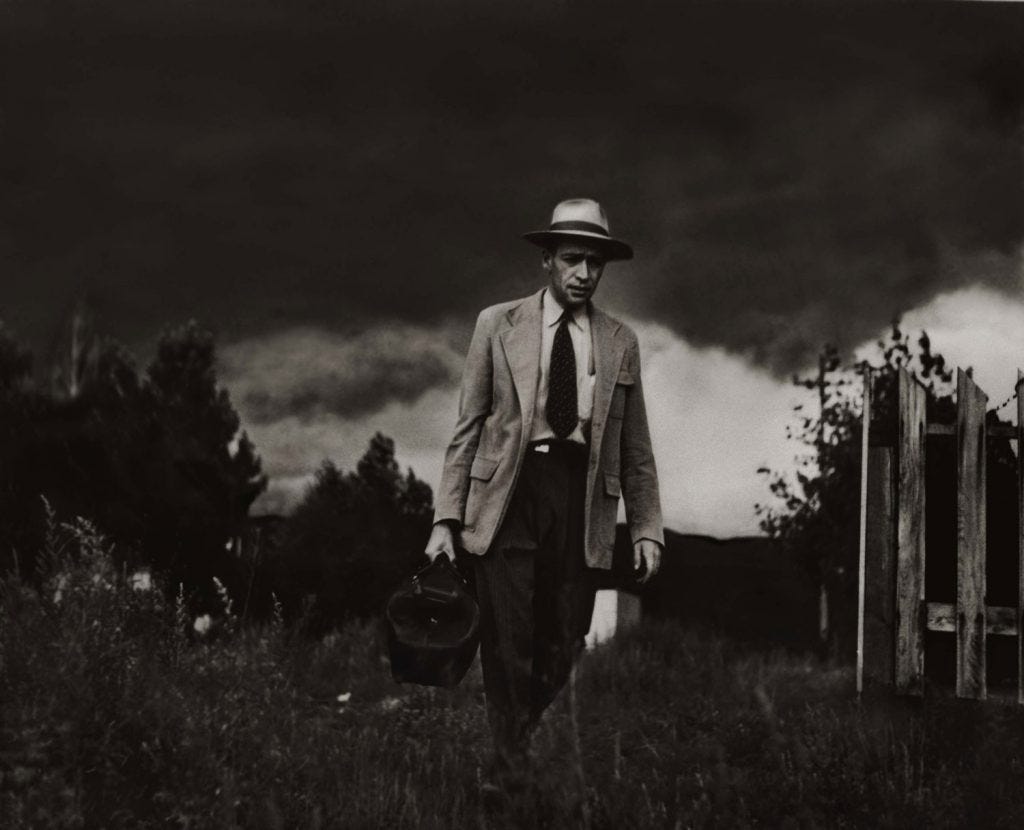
(111, 717)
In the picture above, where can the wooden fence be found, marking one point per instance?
(894, 613)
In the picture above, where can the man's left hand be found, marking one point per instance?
(648, 553)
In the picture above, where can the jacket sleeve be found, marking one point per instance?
(474, 407)
(638, 473)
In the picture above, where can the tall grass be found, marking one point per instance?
(115, 713)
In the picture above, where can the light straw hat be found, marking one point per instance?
(582, 219)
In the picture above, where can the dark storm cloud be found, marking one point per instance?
(788, 174)
(309, 373)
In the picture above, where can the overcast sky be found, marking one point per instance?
(337, 188)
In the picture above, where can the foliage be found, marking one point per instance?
(816, 514)
(354, 536)
(148, 459)
(200, 492)
(816, 511)
(110, 716)
(15, 362)
(158, 461)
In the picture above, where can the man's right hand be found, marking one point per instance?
(442, 540)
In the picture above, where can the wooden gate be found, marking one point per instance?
(893, 612)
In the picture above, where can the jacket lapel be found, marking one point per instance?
(522, 340)
(522, 350)
(608, 352)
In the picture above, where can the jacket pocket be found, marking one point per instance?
(483, 468)
(625, 377)
(612, 486)
(617, 409)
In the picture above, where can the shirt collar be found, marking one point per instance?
(553, 312)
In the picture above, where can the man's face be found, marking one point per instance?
(574, 269)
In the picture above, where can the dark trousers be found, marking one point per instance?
(535, 593)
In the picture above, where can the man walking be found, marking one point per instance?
(551, 430)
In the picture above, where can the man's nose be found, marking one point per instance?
(583, 271)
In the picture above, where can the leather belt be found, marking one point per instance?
(559, 446)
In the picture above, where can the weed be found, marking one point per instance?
(113, 714)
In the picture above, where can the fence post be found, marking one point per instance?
(879, 576)
(970, 574)
(1020, 536)
(865, 429)
(910, 607)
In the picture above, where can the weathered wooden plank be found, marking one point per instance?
(996, 431)
(1020, 535)
(970, 570)
(910, 537)
(879, 571)
(1000, 620)
(865, 447)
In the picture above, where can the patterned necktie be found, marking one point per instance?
(561, 410)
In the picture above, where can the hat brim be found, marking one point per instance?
(613, 248)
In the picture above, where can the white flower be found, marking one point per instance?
(62, 583)
(390, 704)
(344, 697)
(141, 581)
(202, 624)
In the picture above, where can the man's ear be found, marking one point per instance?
(546, 259)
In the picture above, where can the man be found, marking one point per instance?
(551, 430)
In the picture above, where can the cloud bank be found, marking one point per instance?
(788, 174)
(980, 329)
(306, 373)
(708, 438)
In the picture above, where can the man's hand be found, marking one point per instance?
(442, 540)
(648, 553)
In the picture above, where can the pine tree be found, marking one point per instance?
(354, 536)
(199, 490)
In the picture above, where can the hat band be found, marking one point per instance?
(588, 227)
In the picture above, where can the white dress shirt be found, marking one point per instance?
(579, 332)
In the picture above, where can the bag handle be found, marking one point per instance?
(441, 561)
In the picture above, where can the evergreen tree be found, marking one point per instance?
(199, 492)
(149, 461)
(15, 363)
(354, 536)
(18, 409)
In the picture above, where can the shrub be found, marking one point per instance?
(115, 712)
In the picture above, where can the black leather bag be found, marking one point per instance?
(433, 626)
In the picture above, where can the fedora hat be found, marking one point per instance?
(582, 219)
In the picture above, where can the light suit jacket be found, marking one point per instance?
(496, 405)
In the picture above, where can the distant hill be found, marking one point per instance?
(744, 587)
